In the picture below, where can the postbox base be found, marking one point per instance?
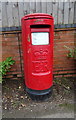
(39, 94)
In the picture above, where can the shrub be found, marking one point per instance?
(5, 67)
(71, 53)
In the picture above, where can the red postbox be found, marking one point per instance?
(37, 43)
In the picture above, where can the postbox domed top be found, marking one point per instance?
(37, 15)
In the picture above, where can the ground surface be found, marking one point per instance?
(16, 103)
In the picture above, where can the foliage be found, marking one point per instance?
(5, 67)
(72, 52)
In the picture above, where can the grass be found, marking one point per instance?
(67, 105)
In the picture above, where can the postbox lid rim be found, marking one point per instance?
(37, 15)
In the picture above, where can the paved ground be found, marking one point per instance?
(47, 109)
(16, 104)
(19, 114)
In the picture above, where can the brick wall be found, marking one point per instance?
(62, 66)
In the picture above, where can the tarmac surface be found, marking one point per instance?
(16, 104)
(46, 109)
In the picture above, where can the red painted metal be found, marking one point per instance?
(38, 59)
